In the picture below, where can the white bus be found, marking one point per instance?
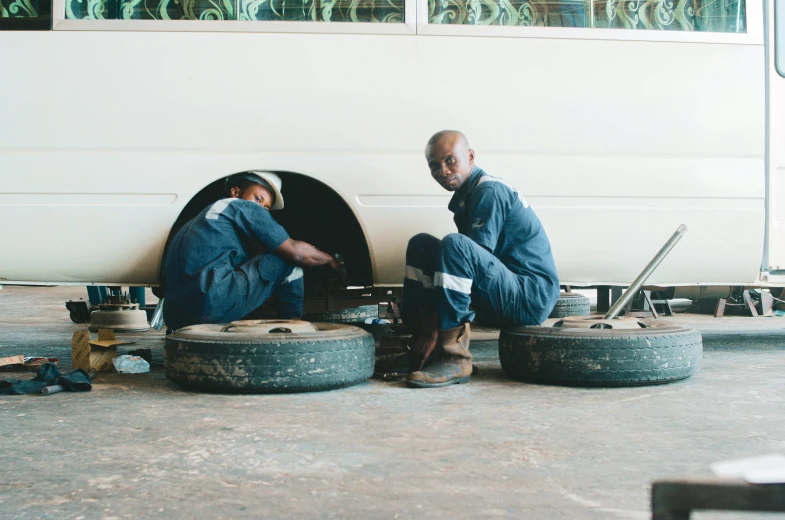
(617, 119)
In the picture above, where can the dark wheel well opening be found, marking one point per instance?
(314, 213)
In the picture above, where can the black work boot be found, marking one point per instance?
(451, 362)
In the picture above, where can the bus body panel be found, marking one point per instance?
(614, 143)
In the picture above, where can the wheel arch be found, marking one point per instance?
(315, 211)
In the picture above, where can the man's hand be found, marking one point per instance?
(303, 254)
(340, 268)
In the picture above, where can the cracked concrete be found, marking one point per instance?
(138, 446)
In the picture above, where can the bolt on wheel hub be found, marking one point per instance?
(120, 315)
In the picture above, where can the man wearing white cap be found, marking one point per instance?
(214, 271)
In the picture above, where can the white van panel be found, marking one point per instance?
(614, 143)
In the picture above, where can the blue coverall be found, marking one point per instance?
(499, 264)
(216, 273)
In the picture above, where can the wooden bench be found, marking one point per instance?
(676, 499)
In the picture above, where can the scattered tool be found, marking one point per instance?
(636, 285)
(48, 376)
(56, 389)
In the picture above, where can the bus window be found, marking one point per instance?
(665, 15)
(20, 15)
(380, 11)
(779, 36)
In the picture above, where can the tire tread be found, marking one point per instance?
(570, 304)
(271, 365)
(601, 357)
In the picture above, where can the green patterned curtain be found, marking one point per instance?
(672, 15)
(18, 8)
(378, 11)
(150, 9)
(381, 11)
(508, 12)
(669, 15)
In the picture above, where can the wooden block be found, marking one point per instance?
(101, 359)
(89, 357)
(106, 335)
(80, 350)
(12, 360)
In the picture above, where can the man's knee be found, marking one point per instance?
(455, 243)
(420, 240)
(420, 244)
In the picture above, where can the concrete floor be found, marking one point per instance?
(138, 446)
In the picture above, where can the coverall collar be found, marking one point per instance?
(459, 197)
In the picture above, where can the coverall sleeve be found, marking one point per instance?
(257, 223)
(489, 206)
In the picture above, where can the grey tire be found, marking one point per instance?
(571, 304)
(204, 358)
(600, 357)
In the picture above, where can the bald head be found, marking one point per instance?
(453, 136)
(450, 159)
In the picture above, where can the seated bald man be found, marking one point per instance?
(499, 264)
(232, 257)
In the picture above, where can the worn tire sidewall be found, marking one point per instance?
(592, 357)
(337, 356)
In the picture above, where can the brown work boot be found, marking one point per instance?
(425, 332)
(451, 362)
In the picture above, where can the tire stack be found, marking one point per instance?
(349, 316)
(357, 317)
(571, 304)
(389, 340)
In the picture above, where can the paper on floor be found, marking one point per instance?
(764, 469)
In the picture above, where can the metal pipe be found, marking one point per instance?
(157, 321)
(54, 389)
(638, 283)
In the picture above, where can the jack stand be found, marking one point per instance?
(766, 303)
(607, 295)
(658, 298)
(643, 306)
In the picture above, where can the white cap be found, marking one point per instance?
(275, 183)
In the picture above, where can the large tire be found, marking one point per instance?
(202, 357)
(571, 304)
(600, 357)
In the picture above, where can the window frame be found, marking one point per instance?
(416, 23)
